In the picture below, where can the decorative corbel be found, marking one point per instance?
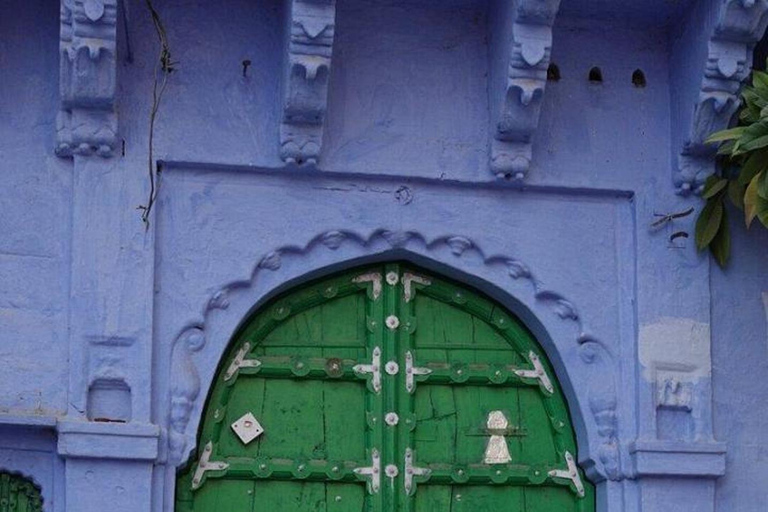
(87, 122)
(523, 43)
(308, 67)
(740, 25)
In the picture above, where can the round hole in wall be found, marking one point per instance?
(553, 73)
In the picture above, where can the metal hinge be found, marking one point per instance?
(571, 473)
(370, 277)
(374, 369)
(241, 362)
(538, 372)
(412, 471)
(408, 280)
(412, 371)
(205, 464)
(372, 472)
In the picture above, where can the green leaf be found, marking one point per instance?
(759, 79)
(762, 212)
(750, 114)
(757, 143)
(754, 204)
(754, 137)
(754, 163)
(758, 95)
(752, 98)
(751, 201)
(761, 93)
(708, 222)
(721, 244)
(726, 148)
(736, 194)
(762, 185)
(713, 186)
(723, 135)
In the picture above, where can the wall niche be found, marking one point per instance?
(109, 400)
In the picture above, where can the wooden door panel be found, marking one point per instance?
(230, 495)
(455, 418)
(337, 322)
(470, 499)
(297, 496)
(476, 362)
(443, 327)
(19, 494)
(380, 390)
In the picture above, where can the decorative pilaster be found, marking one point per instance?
(740, 25)
(522, 47)
(87, 122)
(308, 67)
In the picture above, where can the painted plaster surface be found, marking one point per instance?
(393, 103)
(661, 355)
(34, 225)
(739, 359)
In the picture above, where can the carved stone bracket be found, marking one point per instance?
(308, 66)
(87, 122)
(740, 26)
(523, 44)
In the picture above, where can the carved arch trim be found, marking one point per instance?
(554, 320)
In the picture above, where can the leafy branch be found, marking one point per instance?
(743, 177)
(163, 68)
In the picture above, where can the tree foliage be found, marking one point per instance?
(743, 177)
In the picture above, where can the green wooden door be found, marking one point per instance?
(19, 494)
(385, 389)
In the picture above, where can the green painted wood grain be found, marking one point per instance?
(328, 422)
(19, 494)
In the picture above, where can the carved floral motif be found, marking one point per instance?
(185, 389)
(604, 411)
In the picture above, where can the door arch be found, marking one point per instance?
(385, 388)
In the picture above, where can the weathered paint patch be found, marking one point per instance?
(673, 342)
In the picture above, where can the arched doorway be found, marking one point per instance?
(19, 494)
(385, 388)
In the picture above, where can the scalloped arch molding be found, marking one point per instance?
(581, 361)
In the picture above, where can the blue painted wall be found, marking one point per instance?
(408, 105)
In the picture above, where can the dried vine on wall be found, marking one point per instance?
(163, 69)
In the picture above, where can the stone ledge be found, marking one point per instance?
(123, 441)
(667, 458)
(27, 420)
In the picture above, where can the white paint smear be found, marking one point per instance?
(676, 342)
